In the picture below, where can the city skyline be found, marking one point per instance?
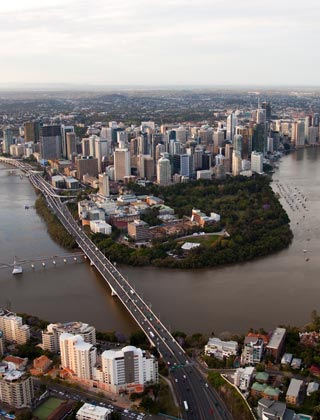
(173, 42)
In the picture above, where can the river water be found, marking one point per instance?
(280, 289)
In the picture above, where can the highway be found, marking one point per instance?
(202, 401)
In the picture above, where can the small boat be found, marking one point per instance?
(17, 269)
(307, 259)
(305, 250)
(26, 207)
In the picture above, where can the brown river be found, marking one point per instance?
(280, 289)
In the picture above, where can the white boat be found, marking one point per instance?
(17, 269)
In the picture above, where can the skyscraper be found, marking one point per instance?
(259, 138)
(64, 130)
(104, 184)
(236, 163)
(122, 165)
(231, 126)
(7, 139)
(50, 141)
(163, 171)
(257, 162)
(71, 145)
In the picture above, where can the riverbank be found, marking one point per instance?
(55, 229)
(256, 223)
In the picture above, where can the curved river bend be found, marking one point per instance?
(280, 289)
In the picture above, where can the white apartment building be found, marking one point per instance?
(13, 328)
(16, 388)
(252, 351)
(257, 162)
(220, 349)
(77, 356)
(50, 337)
(243, 377)
(93, 412)
(127, 368)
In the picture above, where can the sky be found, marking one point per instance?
(160, 42)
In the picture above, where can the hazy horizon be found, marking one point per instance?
(167, 42)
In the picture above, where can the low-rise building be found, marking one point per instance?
(17, 363)
(312, 387)
(58, 181)
(294, 392)
(286, 359)
(99, 226)
(93, 412)
(274, 410)
(221, 349)
(202, 219)
(41, 365)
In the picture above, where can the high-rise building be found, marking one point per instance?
(16, 387)
(85, 146)
(218, 140)
(185, 165)
(257, 162)
(244, 132)
(71, 145)
(181, 135)
(31, 131)
(237, 143)
(64, 130)
(13, 328)
(259, 138)
(313, 135)
(298, 133)
(104, 184)
(7, 139)
(50, 141)
(122, 165)
(50, 336)
(266, 106)
(315, 120)
(231, 126)
(236, 163)
(261, 116)
(77, 356)
(164, 171)
(101, 147)
(127, 368)
(86, 165)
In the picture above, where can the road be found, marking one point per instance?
(202, 401)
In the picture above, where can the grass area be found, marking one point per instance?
(204, 240)
(48, 407)
(166, 402)
(236, 405)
